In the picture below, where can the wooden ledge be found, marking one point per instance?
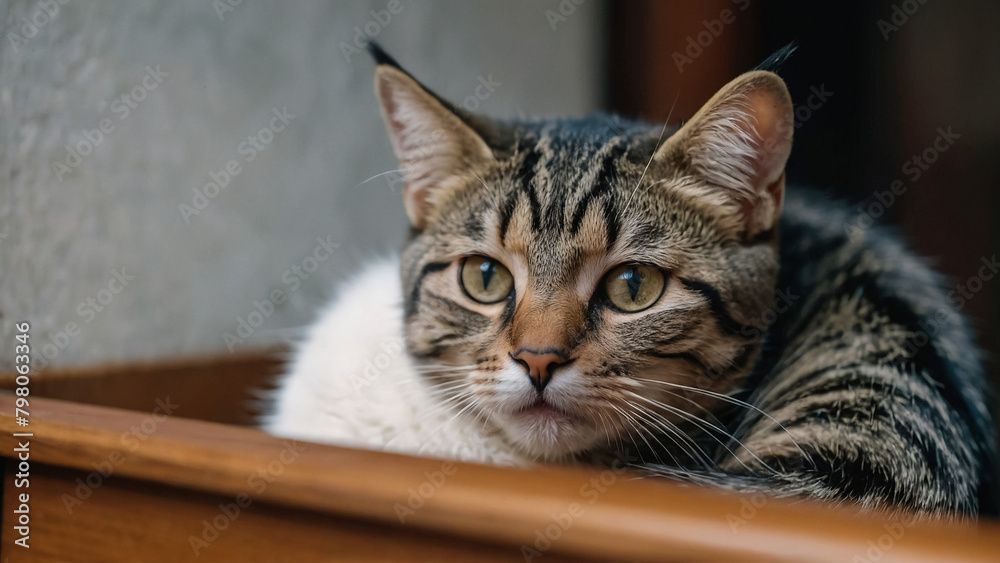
(220, 388)
(619, 518)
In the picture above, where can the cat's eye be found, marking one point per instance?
(634, 287)
(485, 280)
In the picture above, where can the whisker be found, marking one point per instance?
(668, 425)
(686, 443)
(637, 428)
(655, 148)
(732, 401)
(703, 424)
(708, 412)
(444, 407)
(472, 403)
(378, 175)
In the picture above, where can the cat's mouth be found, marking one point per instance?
(544, 411)
(546, 431)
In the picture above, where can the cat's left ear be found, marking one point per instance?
(738, 143)
(435, 147)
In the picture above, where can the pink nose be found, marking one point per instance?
(540, 364)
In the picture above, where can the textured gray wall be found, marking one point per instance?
(178, 90)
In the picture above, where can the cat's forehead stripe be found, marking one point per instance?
(550, 191)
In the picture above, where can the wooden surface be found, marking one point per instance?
(131, 520)
(220, 388)
(629, 520)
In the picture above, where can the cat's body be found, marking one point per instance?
(872, 370)
(591, 288)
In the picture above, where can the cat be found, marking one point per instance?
(575, 290)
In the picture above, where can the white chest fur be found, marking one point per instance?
(352, 383)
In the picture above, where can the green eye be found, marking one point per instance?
(634, 287)
(485, 280)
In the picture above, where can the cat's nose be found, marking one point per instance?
(540, 364)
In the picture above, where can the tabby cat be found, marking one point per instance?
(579, 289)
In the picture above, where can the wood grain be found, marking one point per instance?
(628, 520)
(218, 388)
(129, 520)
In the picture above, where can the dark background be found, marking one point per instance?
(897, 72)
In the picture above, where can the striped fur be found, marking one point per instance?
(818, 366)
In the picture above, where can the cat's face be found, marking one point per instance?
(567, 280)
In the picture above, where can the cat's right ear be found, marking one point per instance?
(738, 144)
(435, 147)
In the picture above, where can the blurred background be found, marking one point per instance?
(166, 168)
(281, 94)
